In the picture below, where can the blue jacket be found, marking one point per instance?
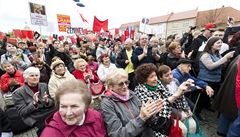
(183, 77)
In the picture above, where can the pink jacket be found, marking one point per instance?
(93, 126)
(238, 87)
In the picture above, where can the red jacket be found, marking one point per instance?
(238, 87)
(5, 78)
(93, 126)
(79, 75)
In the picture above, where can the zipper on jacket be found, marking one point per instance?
(129, 110)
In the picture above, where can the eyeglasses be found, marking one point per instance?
(121, 84)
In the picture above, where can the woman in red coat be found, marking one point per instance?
(12, 79)
(81, 72)
(74, 118)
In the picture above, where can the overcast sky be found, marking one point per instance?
(16, 13)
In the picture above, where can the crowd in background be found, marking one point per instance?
(115, 88)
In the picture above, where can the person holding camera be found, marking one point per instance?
(150, 88)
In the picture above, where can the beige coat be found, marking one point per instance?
(56, 80)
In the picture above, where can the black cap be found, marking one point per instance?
(185, 61)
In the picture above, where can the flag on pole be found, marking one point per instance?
(99, 25)
(83, 19)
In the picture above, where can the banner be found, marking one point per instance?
(38, 14)
(99, 25)
(17, 33)
(63, 22)
(1, 35)
(23, 34)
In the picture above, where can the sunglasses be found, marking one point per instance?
(121, 84)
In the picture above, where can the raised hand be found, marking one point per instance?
(148, 109)
(45, 97)
(35, 98)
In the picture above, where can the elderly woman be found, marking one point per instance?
(32, 100)
(123, 112)
(74, 117)
(81, 72)
(104, 67)
(171, 84)
(12, 79)
(17, 58)
(151, 88)
(59, 76)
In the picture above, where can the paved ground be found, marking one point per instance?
(210, 127)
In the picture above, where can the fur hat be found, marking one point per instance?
(56, 62)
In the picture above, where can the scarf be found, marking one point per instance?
(121, 97)
(151, 88)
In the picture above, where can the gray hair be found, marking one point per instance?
(114, 75)
(77, 61)
(29, 70)
(5, 62)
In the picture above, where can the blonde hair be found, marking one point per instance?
(173, 46)
(114, 75)
(154, 39)
(77, 61)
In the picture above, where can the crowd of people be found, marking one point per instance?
(145, 87)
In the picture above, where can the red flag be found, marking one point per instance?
(132, 34)
(116, 31)
(1, 35)
(27, 34)
(17, 33)
(98, 25)
(73, 40)
(83, 19)
(123, 38)
(126, 33)
(60, 38)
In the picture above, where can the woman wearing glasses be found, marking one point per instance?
(123, 112)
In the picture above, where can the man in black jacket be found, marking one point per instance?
(57, 49)
(144, 53)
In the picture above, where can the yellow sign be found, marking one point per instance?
(63, 22)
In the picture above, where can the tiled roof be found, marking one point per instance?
(130, 24)
(183, 15)
(159, 19)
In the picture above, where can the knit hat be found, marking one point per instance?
(56, 62)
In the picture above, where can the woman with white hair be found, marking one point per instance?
(83, 73)
(122, 110)
(32, 100)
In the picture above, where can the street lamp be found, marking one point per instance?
(78, 3)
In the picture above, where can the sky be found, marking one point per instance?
(15, 14)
